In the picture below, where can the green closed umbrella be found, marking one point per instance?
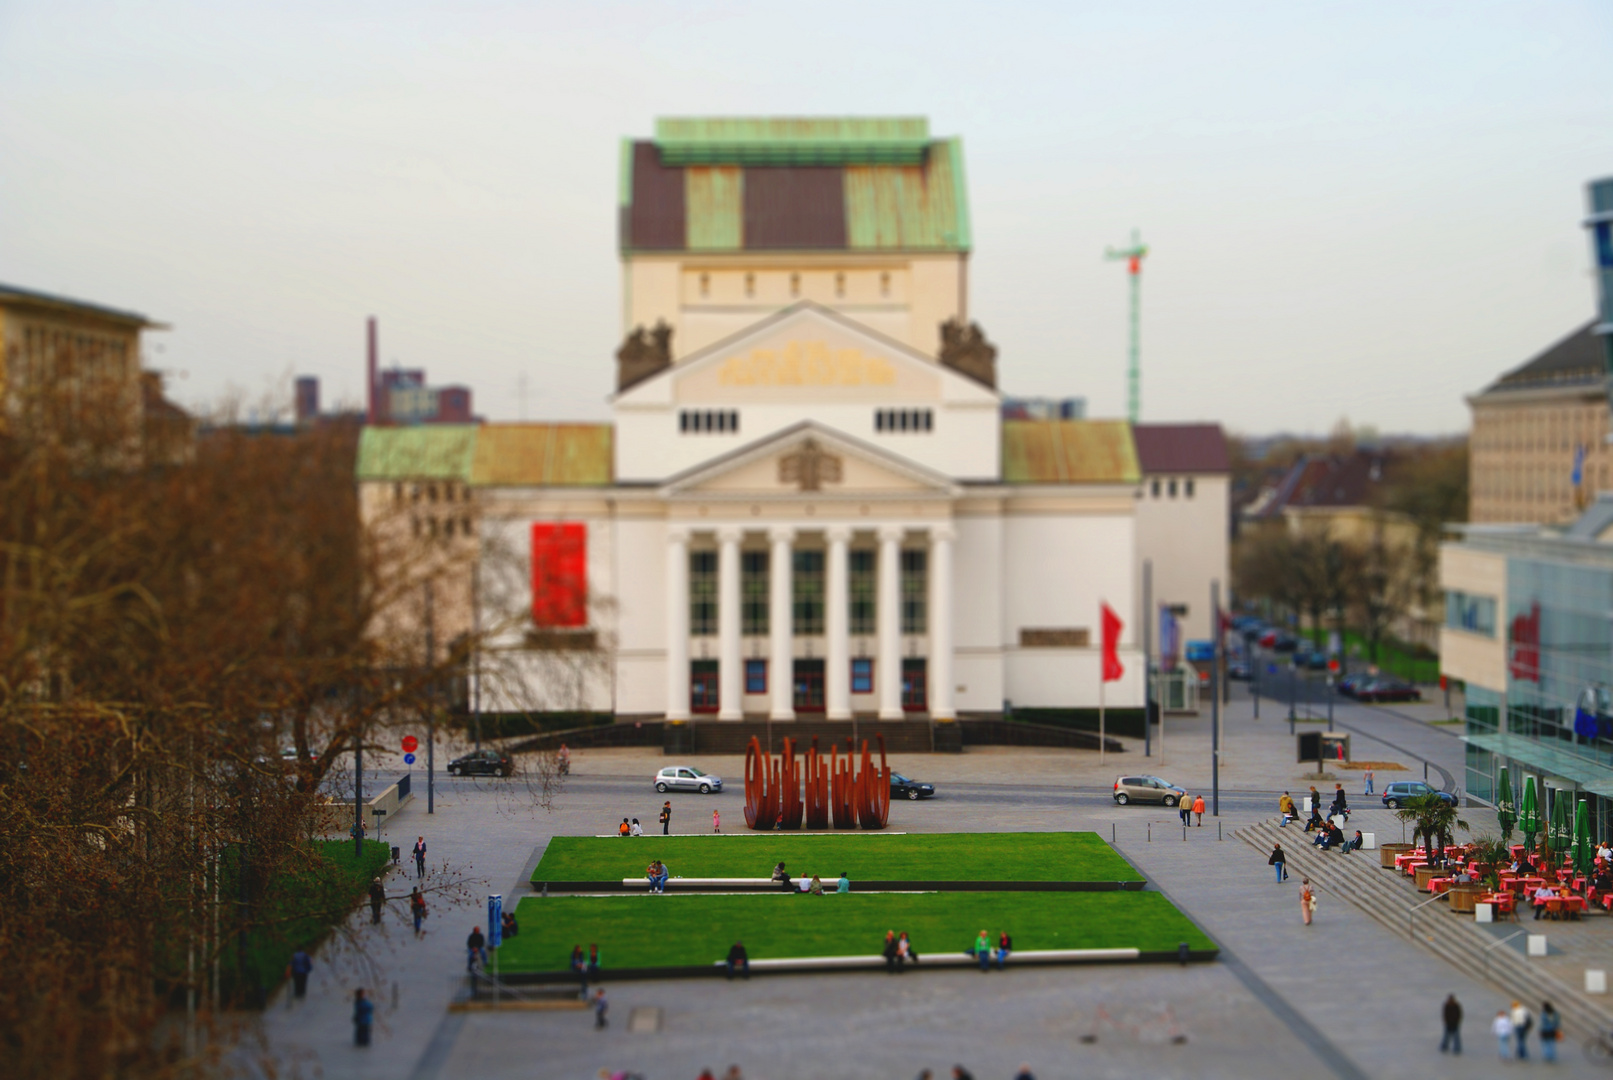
(1584, 851)
(1506, 810)
(1561, 835)
(1529, 814)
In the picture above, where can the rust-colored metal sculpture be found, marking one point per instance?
(839, 794)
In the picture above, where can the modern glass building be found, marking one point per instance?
(1529, 630)
(1599, 197)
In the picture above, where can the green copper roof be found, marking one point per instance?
(423, 452)
(1069, 452)
(792, 140)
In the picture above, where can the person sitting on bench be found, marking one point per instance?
(738, 960)
(657, 873)
(782, 876)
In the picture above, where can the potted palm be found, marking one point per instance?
(1432, 819)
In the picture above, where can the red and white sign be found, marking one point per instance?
(410, 743)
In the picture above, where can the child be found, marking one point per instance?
(716, 821)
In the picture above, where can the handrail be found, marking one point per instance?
(1411, 913)
(1486, 950)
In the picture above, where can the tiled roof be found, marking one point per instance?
(1577, 359)
(543, 455)
(1330, 480)
(537, 455)
(1181, 448)
(1068, 452)
(11, 294)
(762, 184)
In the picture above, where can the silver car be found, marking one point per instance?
(1129, 789)
(687, 778)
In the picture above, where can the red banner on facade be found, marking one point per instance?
(1525, 662)
(560, 574)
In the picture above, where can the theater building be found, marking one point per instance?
(807, 503)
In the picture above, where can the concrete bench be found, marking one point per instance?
(713, 882)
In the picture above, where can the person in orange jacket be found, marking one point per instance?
(1198, 808)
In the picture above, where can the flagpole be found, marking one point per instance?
(1101, 681)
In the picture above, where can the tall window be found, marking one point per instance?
(808, 585)
(702, 593)
(862, 592)
(914, 605)
(753, 592)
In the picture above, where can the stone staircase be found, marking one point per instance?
(1454, 938)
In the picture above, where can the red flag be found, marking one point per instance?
(1112, 669)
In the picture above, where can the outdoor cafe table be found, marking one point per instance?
(1505, 903)
(1526, 884)
(1570, 905)
(1440, 884)
(1403, 859)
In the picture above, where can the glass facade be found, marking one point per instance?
(703, 593)
(862, 592)
(808, 600)
(1559, 642)
(753, 606)
(915, 606)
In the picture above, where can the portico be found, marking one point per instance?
(856, 619)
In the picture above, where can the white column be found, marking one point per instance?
(837, 628)
(888, 612)
(677, 624)
(940, 663)
(780, 620)
(730, 677)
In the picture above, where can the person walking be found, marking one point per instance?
(1367, 777)
(600, 1008)
(301, 965)
(417, 908)
(1551, 1029)
(1184, 809)
(716, 821)
(475, 948)
(1307, 900)
(1316, 800)
(1523, 1021)
(666, 818)
(1501, 1028)
(1198, 809)
(1280, 861)
(1452, 1015)
(420, 857)
(363, 1018)
(377, 898)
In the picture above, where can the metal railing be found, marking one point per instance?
(1510, 937)
(1411, 914)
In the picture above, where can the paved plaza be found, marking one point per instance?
(1345, 997)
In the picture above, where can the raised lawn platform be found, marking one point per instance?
(1018, 857)
(664, 935)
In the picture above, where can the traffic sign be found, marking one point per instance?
(1333, 665)
(408, 759)
(410, 744)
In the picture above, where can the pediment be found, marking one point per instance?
(812, 460)
(806, 354)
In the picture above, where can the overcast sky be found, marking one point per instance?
(1363, 210)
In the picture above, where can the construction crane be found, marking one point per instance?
(1133, 256)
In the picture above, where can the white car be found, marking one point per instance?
(687, 778)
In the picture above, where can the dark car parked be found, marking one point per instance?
(1403, 791)
(1238, 669)
(482, 763)
(903, 788)
(1384, 688)
(1352, 682)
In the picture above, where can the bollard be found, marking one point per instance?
(1150, 839)
(1111, 832)
(1181, 953)
(1595, 981)
(1184, 834)
(1218, 830)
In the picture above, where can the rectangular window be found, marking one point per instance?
(914, 601)
(863, 592)
(904, 421)
(808, 599)
(753, 592)
(862, 676)
(559, 574)
(708, 421)
(756, 676)
(703, 593)
(1475, 614)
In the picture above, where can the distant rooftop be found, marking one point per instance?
(1576, 360)
(792, 140)
(16, 295)
(1181, 448)
(1068, 452)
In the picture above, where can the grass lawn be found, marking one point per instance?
(1047, 856)
(675, 931)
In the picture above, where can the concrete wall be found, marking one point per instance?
(1464, 655)
(1187, 537)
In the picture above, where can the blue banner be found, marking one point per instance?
(495, 920)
